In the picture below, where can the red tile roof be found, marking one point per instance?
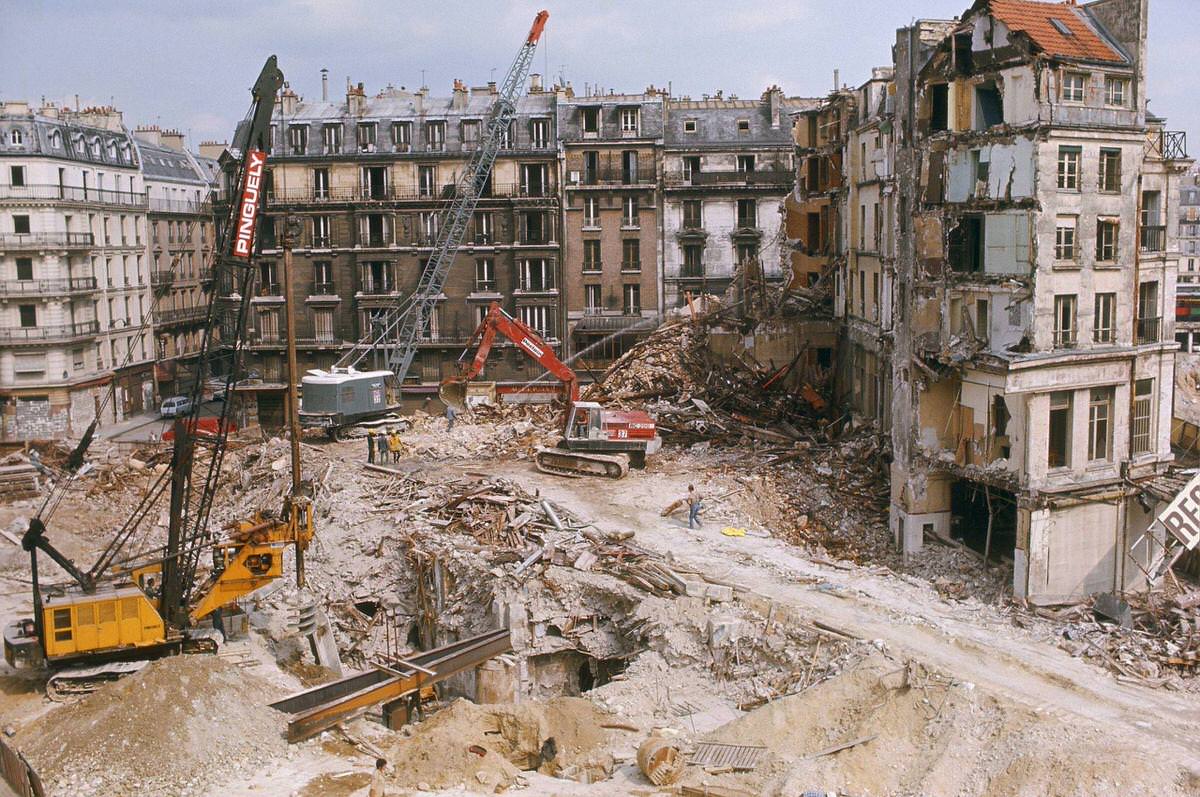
(1033, 19)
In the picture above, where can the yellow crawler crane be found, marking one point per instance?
(113, 617)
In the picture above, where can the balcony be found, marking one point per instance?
(70, 193)
(47, 287)
(189, 206)
(182, 315)
(1149, 330)
(206, 275)
(610, 178)
(323, 289)
(162, 279)
(19, 335)
(1064, 338)
(46, 240)
(767, 178)
(1167, 144)
(1152, 238)
(269, 289)
(373, 288)
(592, 267)
(631, 265)
(325, 242)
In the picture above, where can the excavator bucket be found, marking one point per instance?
(453, 393)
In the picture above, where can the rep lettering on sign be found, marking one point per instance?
(1182, 517)
(247, 217)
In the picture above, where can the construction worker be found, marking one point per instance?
(371, 446)
(378, 780)
(693, 502)
(381, 446)
(394, 445)
(450, 415)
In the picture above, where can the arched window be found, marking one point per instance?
(112, 150)
(55, 139)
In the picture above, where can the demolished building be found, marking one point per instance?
(996, 212)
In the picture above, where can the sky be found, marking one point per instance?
(189, 65)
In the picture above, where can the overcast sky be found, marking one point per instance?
(190, 65)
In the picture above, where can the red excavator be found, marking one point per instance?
(596, 441)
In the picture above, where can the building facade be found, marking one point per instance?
(727, 167)
(1187, 308)
(75, 295)
(366, 179)
(611, 160)
(1035, 271)
(181, 244)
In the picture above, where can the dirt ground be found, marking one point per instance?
(958, 697)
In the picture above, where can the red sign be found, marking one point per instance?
(247, 217)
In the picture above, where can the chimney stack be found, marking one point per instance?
(324, 85)
(172, 139)
(773, 97)
(535, 83)
(836, 81)
(212, 149)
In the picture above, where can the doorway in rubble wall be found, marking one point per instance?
(972, 505)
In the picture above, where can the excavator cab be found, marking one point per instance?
(583, 423)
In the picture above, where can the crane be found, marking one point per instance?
(595, 441)
(114, 611)
(392, 340)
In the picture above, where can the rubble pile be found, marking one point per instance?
(181, 725)
(1156, 644)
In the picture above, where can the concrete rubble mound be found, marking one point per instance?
(178, 726)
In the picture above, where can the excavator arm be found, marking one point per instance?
(453, 389)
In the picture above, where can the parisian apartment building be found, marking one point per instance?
(996, 219)
(74, 274)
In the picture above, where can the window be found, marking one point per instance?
(1064, 321)
(430, 222)
(1100, 424)
(322, 232)
(1110, 170)
(693, 214)
(591, 255)
(1068, 168)
(323, 325)
(298, 139)
(1105, 318)
(939, 107)
(539, 133)
(630, 118)
(435, 136)
(746, 253)
(632, 304)
(536, 274)
(591, 167)
(331, 137)
(989, 106)
(629, 167)
(745, 164)
(747, 213)
(28, 314)
(323, 278)
(320, 183)
(55, 139)
(591, 120)
(965, 244)
(743, 125)
(426, 180)
(591, 211)
(1064, 238)
(20, 224)
(485, 275)
(16, 176)
(980, 167)
(631, 258)
(982, 317)
(538, 318)
(591, 299)
(533, 179)
(401, 135)
(1149, 318)
(1141, 438)
(485, 227)
(1115, 91)
(629, 211)
(693, 261)
(1058, 451)
(689, 125)
(691, 167)
(367, 132)
(24, 268)
(1073, 86)
(470, 134)
(1152, 236)
(16, 138)
(1106, 240)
